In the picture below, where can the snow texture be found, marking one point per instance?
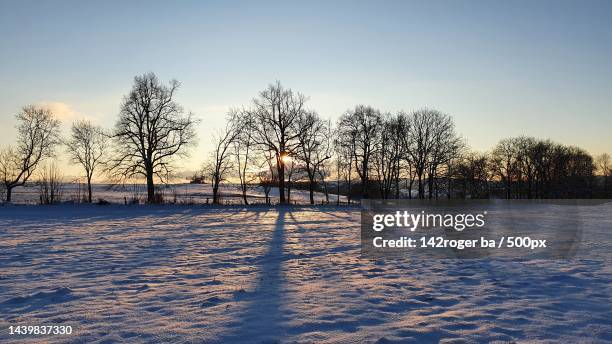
(279, 274)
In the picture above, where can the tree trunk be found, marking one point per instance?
(430, 180)
(448, 187)
(508, 186)
(88, 189)
(348, 194)
(338, 188)
(9, 192)
(150, 187)
(311, 190)
(326, 190)
(289, 190)
(364, 188)
(349, 180)
(421, 186)
(410, 185)
(529, 186)
(397, 186)
(216, 193)
(244, 195)
(281, 181)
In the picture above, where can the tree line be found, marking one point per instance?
(277, 141)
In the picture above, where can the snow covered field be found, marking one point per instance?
(285, 274)
(174, 193)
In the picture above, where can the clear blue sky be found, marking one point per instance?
(501, 68)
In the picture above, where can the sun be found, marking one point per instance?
(285, 158)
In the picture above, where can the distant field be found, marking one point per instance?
(182, 193)
(289, 274)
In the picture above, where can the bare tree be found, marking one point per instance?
(446, 146)
(87, 146)
(432, 141)
(604, 166)
(526, 157)
(503, 163)
(221, 157)
(293, 173)
(421, 144)
(50, 185)
(530, 167)
(400, 126)
(266, 175)
(392, 151)
(37, 136)
(314, 146)
(152, 129)
(242, 147)
(274, 113)
(472, 170)
(360, 128)
(344, 164)
(266, 181)
(542, 152)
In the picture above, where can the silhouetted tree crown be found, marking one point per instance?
(151, 132)
(37, 137)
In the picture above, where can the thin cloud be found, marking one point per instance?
(63, 111)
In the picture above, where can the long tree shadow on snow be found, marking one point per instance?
(261, 320)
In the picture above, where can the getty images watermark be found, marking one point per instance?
(474, 228)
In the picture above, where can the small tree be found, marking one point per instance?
(388, 157)
(267, 176)
(360, 130)
(266, 181)
(503, 162)
(604, 165)
(37, 136)
(242, 147)
(220, 160)
(431, 143)
(293, 172)
(50, 185)
(87, 146)
(344, 165)
(314, 146)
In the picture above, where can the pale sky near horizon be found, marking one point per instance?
(500, 68)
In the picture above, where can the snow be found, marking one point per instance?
(185, 194)
(259, 274)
